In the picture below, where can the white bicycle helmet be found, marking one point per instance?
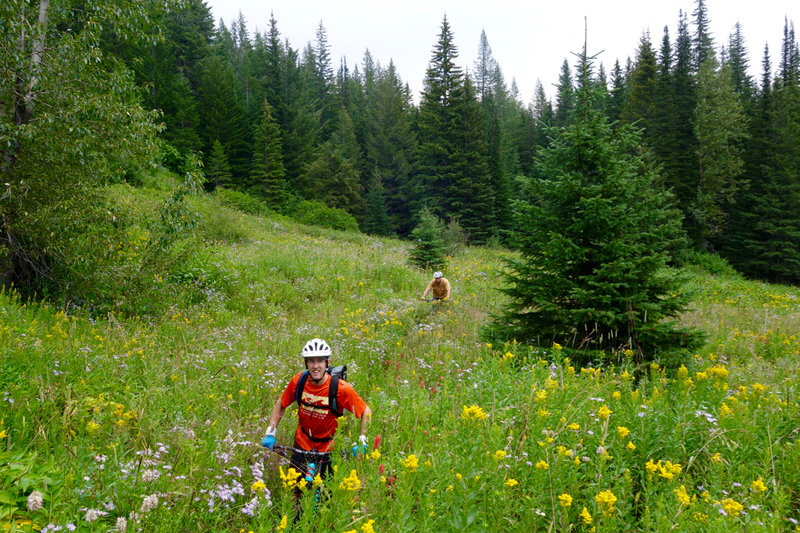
(316, 348)
(437, 274)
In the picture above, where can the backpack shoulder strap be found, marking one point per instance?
(300, 386)
(333, 391)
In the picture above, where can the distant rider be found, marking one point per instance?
(439, 286)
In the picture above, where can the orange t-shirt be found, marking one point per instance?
(318, 421)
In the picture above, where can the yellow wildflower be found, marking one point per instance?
(351, 482)
(616, 395)
(731, 507)
(557, 347)
(411, 463)
(512, 483)
(367, 528)
(606, 500)
(683, 372)
(375, 454)
(290, 478)
(473, 412)
(542, 465)
(718, 372)
(724, 410)
(283, 524)
(586, 516)
(683, 497)
(631, 446)
(604, 412)
(499, 455)
(758, 485)
(258, 486)
(623, 432)
(565, 500)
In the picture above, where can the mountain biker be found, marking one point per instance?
(317, 424)
(439, 286)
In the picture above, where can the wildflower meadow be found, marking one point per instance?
(153, 422)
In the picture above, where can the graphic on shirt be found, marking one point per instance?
(320, 404)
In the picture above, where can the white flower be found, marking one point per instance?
(93, 514)
(150, 475)
(35, 501)
(122, 525)
(149, 503)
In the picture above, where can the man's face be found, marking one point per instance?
(316, 367)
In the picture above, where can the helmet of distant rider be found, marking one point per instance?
(437, 274)
(316, 348)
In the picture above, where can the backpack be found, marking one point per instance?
(337, 373)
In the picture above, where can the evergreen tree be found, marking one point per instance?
(680, 166)
(268, 175)
(661, 136)
(472, 194)
(439, 119)
(641, 103)
(391, 143)
(565, 97)
(739, 64)
(428, 250)
(376, 220)
(767, 243)
(593, 236)
(618, 98)
(332, 176)
(702, 41)
(221, 116)
(322, 85)
(217, 170)
(720, 127)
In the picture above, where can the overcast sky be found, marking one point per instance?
(529, 39)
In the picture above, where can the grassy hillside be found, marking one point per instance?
(154, 421)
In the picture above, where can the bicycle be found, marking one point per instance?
(287, 452)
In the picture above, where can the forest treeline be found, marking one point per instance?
(291, 125)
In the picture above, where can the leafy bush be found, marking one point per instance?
(316, 213)
(714, 264)
(241, 201)
(429, 249)
(455, 237)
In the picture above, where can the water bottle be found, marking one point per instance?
(310, 473)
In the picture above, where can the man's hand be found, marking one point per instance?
(269, 438)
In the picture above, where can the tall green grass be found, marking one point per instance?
(104, 415)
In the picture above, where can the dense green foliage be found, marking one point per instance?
(286, 125)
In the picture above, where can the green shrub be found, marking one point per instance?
(455, 237)
(316, 213)
(714, 264)
(241, 201)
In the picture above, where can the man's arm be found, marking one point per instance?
(447, 286)
(277, 414)
(427, 289)
(366, 416)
